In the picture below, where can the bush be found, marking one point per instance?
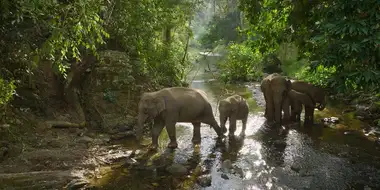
(320, 76)
(271, 64)
(242, 64)
(6, 91)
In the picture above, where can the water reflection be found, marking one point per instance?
(295, 156)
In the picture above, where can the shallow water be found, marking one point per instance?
(292, 157)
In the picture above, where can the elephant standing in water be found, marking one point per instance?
(317, 94)
(233, 108)
(275, 89)
(176, 104)
(294, 101)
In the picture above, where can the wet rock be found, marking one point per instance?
(122, 135)
(85, 139)
(367, 188)
(238, 171)
(55, 143)
(177, 169)
(224, 176)
(334, 119)
(330, 120)
(226, 165)
(295, 168)
(362, 112)
(204, 181)
(131, 162)
(280, 144)
(76, 184)
(304, 173)
(360, 117)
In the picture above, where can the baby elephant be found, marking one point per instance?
(235, 108)
(294, 101)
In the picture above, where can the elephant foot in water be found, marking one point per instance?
(173, 145)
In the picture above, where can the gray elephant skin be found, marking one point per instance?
(294, 102)
(234, 108)
(171, 105)
(275, 89)
(317, 94)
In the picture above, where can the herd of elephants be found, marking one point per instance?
(181, 104)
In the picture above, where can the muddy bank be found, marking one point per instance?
(56, 157)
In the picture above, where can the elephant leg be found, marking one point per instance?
(232, 127)
(278, 110)
(293, 115)
(244, 124)
(285, 109)
(269, 106)
(223, 120)
(156, 131)
(170, 128)
(196, 133)
(309, 114)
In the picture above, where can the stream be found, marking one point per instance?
(291, 157)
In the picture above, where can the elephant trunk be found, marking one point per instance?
(223, 120)
(140, 126)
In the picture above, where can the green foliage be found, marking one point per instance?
(58, 32)
(138, 25)
(7, 89)
(268, 19)
(242, 64)
(321, 76)
(221, 30)
(271, 64)
(337, 34)
(350, 42)
(109, 95)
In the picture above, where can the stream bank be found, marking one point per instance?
(336, 156)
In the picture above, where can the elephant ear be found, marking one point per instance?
(160, 104)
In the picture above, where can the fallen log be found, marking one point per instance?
(65, 124)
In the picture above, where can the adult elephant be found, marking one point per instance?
(234, 108)
(275, 89)
(171, 105)
(317, 94)
(294, 102)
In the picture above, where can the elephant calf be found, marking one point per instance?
(233, 108)
(171, 105)
(294, 101)
(317, 94)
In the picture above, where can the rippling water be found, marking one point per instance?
(292, 157)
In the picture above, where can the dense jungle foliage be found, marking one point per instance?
(69, 36)
(331, 43)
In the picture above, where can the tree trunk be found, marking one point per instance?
(185, 53)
